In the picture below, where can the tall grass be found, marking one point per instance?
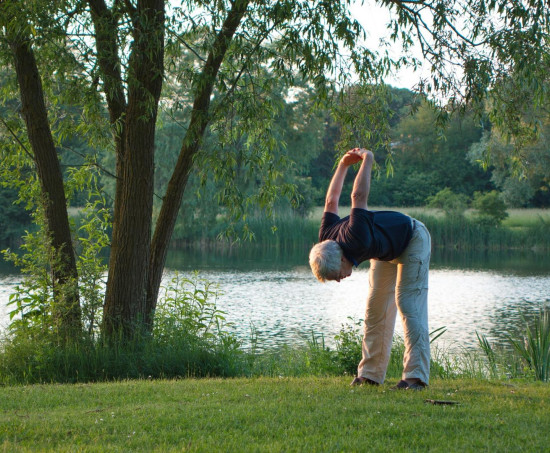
(523, 230)
(284, 231)
(528, 355)
(190, 338)
(458, 233)
(179, 355)
(535, 347)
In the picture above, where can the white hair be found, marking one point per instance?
(325, 258)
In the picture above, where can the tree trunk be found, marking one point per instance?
(191, 143)
(124, 311)
(106, 27)
(66, 308)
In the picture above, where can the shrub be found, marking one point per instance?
(348, 346)
(190, 338)
(452, 204)
(491, 208)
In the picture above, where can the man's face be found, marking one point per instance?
(345, 270)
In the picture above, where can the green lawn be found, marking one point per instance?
(270, 414)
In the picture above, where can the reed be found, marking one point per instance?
(534, 347)
(284, 230)
(523, 230)
(527, 354)
(455, 233)
(463, 233)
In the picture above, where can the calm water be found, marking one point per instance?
(276, 295)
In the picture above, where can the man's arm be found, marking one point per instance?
(361, 185)
(335, 188)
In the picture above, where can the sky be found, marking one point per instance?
(374, 20)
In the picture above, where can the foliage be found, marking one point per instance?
(188, 306)
(428, 157)
(348, 346)
(521, 177)
(93, 240)
(220, 69)
(190, 338)
(534, 347)
(490, 206)
(452, 204)
(33, 302)
(13, 217)
(364, 114)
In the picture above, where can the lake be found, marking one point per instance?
(274, 294)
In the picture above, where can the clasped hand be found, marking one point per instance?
(356, 155)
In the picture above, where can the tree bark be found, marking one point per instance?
(125, 297)
(66, 309)
(106, 27)
(191, 143)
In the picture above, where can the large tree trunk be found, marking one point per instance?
(66, 308)
(124, 310)
(191, 143)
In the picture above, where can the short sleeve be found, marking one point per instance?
(328, 220)
(360, 219)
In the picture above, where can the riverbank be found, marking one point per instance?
(272, 415)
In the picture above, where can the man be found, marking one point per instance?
(398, 248)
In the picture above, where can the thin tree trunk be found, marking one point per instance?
(106, 27)
(66, 309)
(191, 143)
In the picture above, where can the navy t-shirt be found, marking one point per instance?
(363, 234)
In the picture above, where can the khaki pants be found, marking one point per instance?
(399, 284)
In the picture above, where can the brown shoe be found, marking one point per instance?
(401, 385)
(359, 380)
(404, 385)
(417, 386)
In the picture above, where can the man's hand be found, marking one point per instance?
(356, 155)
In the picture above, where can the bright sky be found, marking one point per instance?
(374, 20)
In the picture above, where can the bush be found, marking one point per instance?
(491, 208)
(190, 338)
(348, 346)
(452, 204)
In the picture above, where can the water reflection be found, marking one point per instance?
(255, 258)
(508, 262)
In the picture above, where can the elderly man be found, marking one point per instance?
(398, 248)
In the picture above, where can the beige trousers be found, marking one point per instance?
(400, 284)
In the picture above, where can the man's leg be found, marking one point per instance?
(379, 321)
(412, 301)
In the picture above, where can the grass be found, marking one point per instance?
(272, 415)
(525, 217)
(524, 229)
